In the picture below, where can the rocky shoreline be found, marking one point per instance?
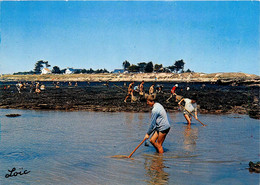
(212, 98)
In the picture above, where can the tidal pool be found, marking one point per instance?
(76, 148)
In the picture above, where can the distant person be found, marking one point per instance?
(136, 88)
(31, 87)
(151, 89)
(189, 108)
(19, 86)
(37, 86)
(24, 85)
(159, 89)
(57, 85)
(173, 92)
(134, 94)
(37, 90)
(107, 84)
(159, 124)
(130, 91)
(141, 88)
(42, 87)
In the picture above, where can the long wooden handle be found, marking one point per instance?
(120, 88)
(192, 115)
(136, 148)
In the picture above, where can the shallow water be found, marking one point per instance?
(77, 148)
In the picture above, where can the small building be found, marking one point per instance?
(46, 71)
(69, 71)
(72, 71)
(118, 71)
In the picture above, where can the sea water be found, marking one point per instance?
(55, 147)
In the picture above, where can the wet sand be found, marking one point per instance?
(213, 99)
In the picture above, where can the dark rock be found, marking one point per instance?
(211, 99)
(254, 167)
(12, 115)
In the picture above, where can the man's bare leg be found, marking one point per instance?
(157, 141)
(188, 119)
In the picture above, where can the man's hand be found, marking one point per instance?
(146, 136)
(180, 101)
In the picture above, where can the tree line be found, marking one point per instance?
(143, 67)
(39, 65)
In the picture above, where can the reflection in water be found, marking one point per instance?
(141, 118)
(190, 137)
(154, 166)
(129, 118)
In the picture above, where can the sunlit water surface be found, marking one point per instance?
(76, 148)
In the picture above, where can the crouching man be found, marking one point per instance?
(189, 108)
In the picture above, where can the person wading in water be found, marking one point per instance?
(190, 106)
(159, 124)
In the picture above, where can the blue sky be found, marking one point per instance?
(220, 36)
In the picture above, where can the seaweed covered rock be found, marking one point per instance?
(212, 98)
(254, 167)
(12, 115)
(254, 111)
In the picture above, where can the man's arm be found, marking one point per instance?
(146, 136)
(181, 101)
(196, 113)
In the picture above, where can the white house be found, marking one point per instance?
(46, 71)
(69, 71)
(118, 71)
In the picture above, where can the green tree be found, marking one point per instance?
(149, 67)
(101, 71)
(63, 70)
(172, 68)
(56, 70)
(24, 73)
(126, 64)
(83, 71)
(90, 71)
(38, 67)
(133, 68)
(46, 64)
(179, 65)
(142, 66)
(157, 67)
(77, 71)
